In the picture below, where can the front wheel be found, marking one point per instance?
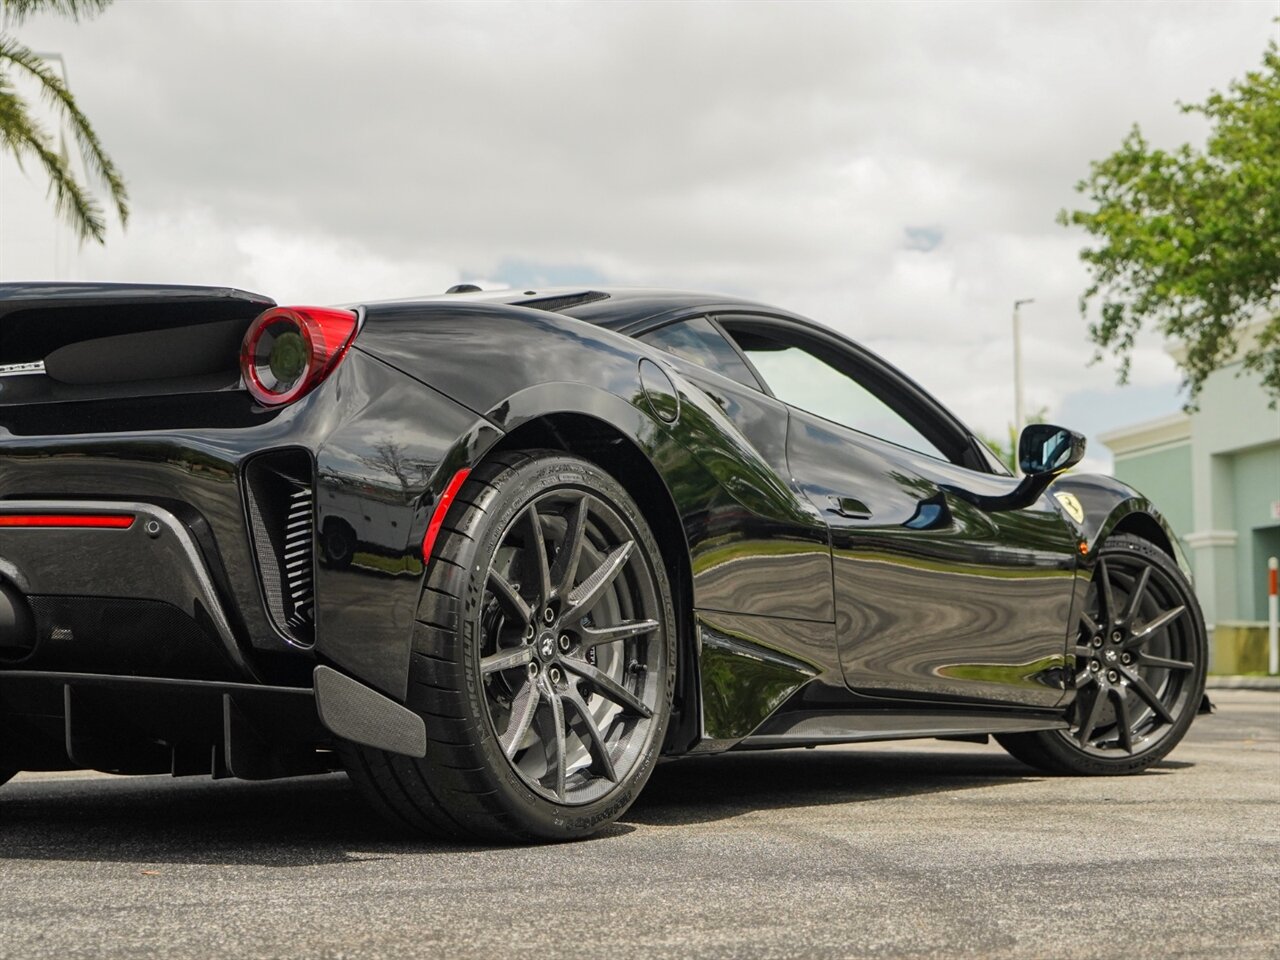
(544, 662)
(1139, 668)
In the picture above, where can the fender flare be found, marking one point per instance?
(1138, 504)
(1096, 505)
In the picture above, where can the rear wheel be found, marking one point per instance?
(544, 664)
(1139, 668)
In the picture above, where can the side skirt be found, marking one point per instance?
(811, 728)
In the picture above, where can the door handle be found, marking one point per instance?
(850, 507)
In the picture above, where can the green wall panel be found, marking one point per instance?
(1163, 476)
(1255, 486)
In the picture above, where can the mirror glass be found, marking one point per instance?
(1044, 448)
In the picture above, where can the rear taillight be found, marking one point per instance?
(288, 350)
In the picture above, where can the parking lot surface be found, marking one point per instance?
(914, 850)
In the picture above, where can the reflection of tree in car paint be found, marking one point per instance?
(371, 516)
(390, 457)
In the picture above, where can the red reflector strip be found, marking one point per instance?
(442, 507)
(116, 521)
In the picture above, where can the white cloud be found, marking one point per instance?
(331, 151)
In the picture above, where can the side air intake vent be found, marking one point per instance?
(280, 504)
(297, 557)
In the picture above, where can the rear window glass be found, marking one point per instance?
(699, 342)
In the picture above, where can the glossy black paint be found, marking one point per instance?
(736, 510)
(381, 486)
(381, 464)
(751, 666)
(901, 594)
(936, 597)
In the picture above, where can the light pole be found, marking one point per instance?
(1019, 419)
(1273, 616)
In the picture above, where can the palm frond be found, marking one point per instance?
(24, 137)
(16, 11)
(60, 98)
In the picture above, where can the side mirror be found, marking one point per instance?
(1044, 449)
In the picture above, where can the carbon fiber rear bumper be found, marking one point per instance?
(116, 654)
(149, 725)
(54, 720)
(133, 600)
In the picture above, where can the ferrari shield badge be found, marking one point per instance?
(1071, 505)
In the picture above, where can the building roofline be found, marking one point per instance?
(1162, 431)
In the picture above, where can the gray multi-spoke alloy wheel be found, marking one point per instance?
(1139, 670)
(543, 663)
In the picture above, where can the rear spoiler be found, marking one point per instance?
(36, 296)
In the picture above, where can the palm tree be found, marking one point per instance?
(23, 135)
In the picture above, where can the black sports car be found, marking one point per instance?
(495, 554)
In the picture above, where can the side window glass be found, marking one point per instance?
(803, 380)
(699, 342)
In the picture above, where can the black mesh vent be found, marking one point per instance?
(556, 304)
(280, 499)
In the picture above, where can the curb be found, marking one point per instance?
(1241, 683)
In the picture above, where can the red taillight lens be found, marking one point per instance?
(288, 350)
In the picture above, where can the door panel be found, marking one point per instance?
(777, 566)
(936, 597)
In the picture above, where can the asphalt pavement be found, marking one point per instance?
(905, 850)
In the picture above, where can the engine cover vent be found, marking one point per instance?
(280, 506)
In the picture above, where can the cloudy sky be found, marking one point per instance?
(892, 170)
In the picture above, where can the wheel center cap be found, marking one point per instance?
(546, 646)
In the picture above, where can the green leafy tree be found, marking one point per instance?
(27, 139)
(1188, 240)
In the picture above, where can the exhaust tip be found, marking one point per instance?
(17, 624)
